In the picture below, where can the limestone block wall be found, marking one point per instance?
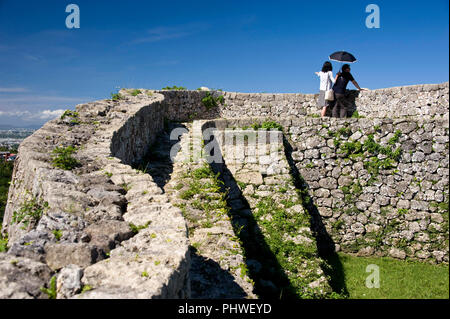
(369, 200)
(267, 211)
(417, 100)
(102, 221)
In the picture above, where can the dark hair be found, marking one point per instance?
(327, 67)
(345, 67)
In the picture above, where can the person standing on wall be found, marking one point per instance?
(339, 88)
(326, 82)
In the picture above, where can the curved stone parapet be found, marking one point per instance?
(408, 101)
(106, 218)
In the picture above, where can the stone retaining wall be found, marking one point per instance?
(417, 100)
(388, 197)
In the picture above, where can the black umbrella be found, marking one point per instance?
(342, 56)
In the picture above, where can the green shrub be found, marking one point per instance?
(267, 125)
(62, 158)
(116, 96)
(135, 92)
(174, 88)
(209, 101)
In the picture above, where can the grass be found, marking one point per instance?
(399, 279)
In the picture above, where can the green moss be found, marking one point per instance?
(3, 243)
(267, 125)
(86, 288)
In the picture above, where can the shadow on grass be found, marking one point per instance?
(325, 244)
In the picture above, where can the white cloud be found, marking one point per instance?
(48, 114)
(13, 90)
(28, 115)
(34, 99)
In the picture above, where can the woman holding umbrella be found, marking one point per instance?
(340, 85)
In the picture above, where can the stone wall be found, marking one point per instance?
(100, 222)
(417, 100)
(103, 221)
(372, 199)
(387, 195)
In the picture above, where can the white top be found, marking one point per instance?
(326, 80)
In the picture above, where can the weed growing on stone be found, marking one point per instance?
(267, 125)
(30, 212)
(3, 243)
(174, 88)
(116, 96)
(86, 288)
(62, 158)
(278, 222)
(134, 92)
(210, 102)
(51, 291)
(72, 115)
(57, 233)
(135, 229)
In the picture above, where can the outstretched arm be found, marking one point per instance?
(356, 85)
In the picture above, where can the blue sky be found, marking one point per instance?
(245, 46)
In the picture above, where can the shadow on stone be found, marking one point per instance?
(210, 281)
(157, 161)
(270, 280)
(325, 244)
(350, 98)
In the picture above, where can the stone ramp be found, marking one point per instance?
(269, 214)
(218, 268)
